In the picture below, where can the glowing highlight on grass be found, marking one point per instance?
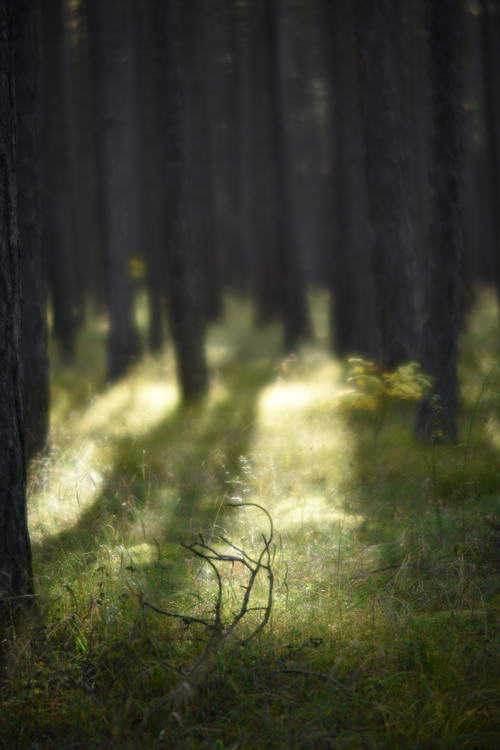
(302, 451)
(130, 408)
(75, 477)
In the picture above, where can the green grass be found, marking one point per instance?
(385, 621)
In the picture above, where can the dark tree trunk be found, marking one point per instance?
(112, 31)
(215, 14)
(437, 418)
(150, 73)
(241, 28)
(88, 240)
(186, 301)
(394, 253)
(490, 39)
(15, 553)
(292, 288)
(264, 258)
(58, 228)
(416, 133)
(194, 52)
(33, 311)
(353, 314)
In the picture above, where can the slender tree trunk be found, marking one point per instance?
(353, 322)
(378, 33)
(88, 241)
(196, 91)
(186, 301)
(416, 134)
(58, 228)
(437, 417)
(150, 62)
(15, 554)
(112, 33)
(292, 283)
(34, 304)
(490, 40)
(264, 256)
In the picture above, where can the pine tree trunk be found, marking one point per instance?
(353, 322)
(33, 312)
(264, 258)
(378, 25)
(490, 38)
(292, 287)
(150, 73)
(437, 418)
(112, 34)
(58, 227)
(15, 553)
(186, 301)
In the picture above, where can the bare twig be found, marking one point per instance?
(185, 618)
(221, 632)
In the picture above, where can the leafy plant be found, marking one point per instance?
(370, 388)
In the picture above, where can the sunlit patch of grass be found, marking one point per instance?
(385, 624)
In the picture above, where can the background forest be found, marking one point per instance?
(249, 382)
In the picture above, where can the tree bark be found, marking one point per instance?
(15, 554)
(264, 256)
(87, 251)
(437, 417)
(112, 34)
(58, 228)
(292, 288)
(490, 38)
(194, 60)
(150, 73)
(353, 322)
(394, 252)
(186, 302)
(34, 305)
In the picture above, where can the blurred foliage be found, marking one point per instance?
(370, 388)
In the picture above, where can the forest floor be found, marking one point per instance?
(385, 558)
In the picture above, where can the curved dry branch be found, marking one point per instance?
(183, 693)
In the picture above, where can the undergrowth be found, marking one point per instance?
(385, 615)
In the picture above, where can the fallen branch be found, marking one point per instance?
(221, 632)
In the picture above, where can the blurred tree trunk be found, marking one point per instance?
(478, 262)
(292, 287)
(150, 62)
(490, 41)
(194, 52)
(58, 229)
(34, 304)
(353, 322)
(378, 24)
(416, 134)
(88, 240)
(186, 301)
(112, 30)
(438, 414)
(15, 554)
(264, 248)
(214, 64)
(241, 34)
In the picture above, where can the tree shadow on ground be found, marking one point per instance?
(406, 490)
(169, 484)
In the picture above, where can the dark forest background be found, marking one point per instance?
(193, 148)
(161, 157)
